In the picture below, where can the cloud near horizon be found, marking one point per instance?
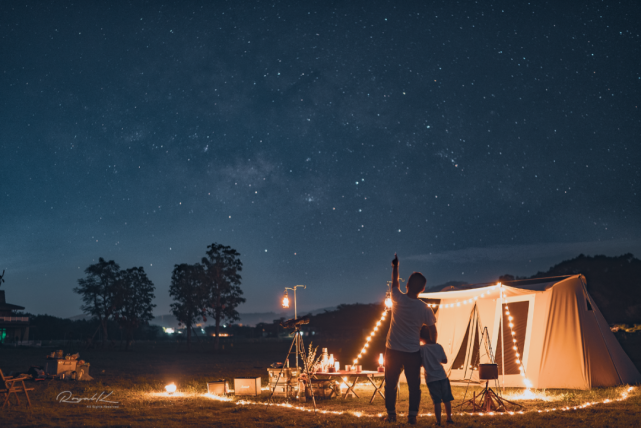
(517, 253)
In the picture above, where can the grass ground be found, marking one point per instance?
(137, 379)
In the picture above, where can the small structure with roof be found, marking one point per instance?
(13, 328)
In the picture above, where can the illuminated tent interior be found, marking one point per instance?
(560, 336)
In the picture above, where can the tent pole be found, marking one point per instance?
(502, 347)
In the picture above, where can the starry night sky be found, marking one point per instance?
(317, 139)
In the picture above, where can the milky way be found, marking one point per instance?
(316, 139)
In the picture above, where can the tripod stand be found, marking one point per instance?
(488, 400)
(299, 349)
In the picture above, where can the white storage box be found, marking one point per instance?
(247, 386)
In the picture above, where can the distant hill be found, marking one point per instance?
(613, 282)
(449, 285)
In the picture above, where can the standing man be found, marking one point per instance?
(402, 352)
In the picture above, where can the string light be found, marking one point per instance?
(624, 396)
(515, 346)
(370, 336)
(486, 293)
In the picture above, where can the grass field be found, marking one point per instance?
(137, 379)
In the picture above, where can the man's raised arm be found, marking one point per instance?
(395, 283)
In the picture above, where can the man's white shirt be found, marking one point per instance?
(408, 316)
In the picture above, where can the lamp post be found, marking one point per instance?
(286, 306)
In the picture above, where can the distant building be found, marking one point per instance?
(12, 328)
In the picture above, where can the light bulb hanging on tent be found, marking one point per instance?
(518, 360)
(388, 301)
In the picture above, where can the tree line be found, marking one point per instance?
(209, 288)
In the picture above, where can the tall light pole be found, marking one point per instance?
(286, 305)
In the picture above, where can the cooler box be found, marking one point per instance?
(247, 386)
(57, 366)
(218, 387)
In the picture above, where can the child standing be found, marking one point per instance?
(432, 356)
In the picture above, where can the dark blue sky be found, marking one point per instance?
(474, 139)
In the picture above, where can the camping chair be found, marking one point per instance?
(10, 387)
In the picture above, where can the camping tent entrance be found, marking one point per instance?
(486, 336)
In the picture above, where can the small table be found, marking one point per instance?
(368, 374)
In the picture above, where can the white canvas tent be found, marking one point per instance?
(562, 338)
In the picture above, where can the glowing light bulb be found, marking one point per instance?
(171, 388)
(368, 338)
(381, 360)
(476, 297)
(388, 303)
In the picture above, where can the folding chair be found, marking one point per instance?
(10, 387)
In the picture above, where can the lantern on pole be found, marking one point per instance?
(286, 306)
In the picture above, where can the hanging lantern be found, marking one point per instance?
(285, 300)
(388, 301)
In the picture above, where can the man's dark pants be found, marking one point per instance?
(395, 362)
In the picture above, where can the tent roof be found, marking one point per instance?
(536, 284)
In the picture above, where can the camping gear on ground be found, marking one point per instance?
(562, 339)
(284, 384)
(247, 386)
(219, 387)
(57, 366)
(322, 388)
(37, 373)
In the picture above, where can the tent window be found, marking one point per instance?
(587, 303)
(519, 313)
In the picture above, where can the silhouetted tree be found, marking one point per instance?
(98, 290)
(133, 297)
(190, 295)
(222, 280)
